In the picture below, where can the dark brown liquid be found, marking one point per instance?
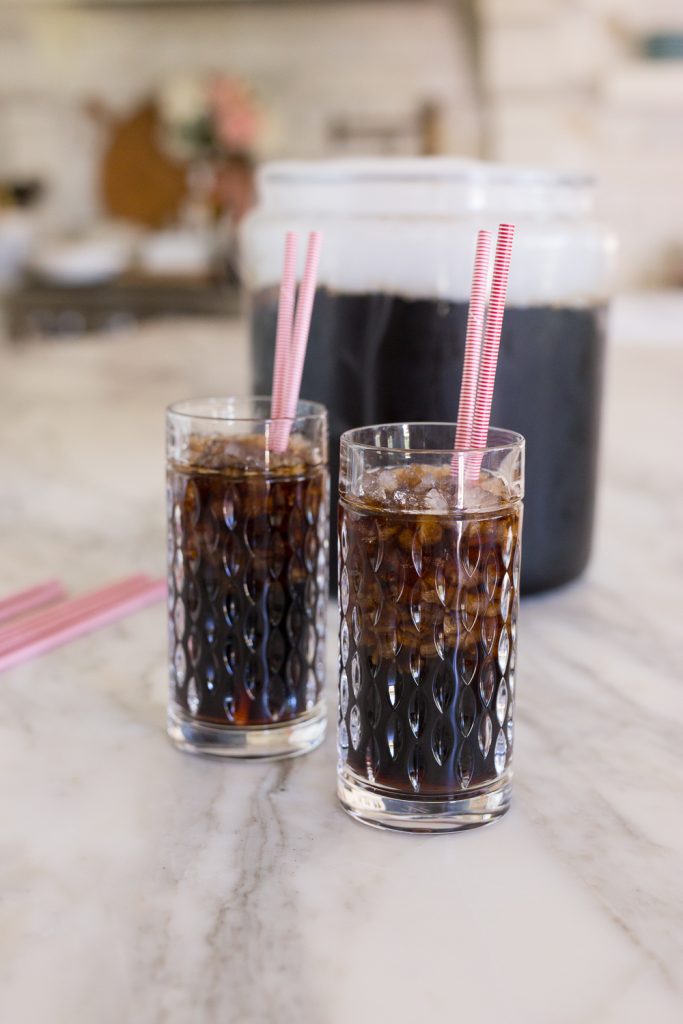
(429, 607)
(247, 583)
(382, 357)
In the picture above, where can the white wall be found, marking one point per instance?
(565, 84)
(307, 62)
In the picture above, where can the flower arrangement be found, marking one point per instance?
(208, 117)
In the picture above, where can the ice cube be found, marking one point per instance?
(427, 481)
(388, 479)
(435, 501)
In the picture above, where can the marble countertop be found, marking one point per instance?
(138, 884)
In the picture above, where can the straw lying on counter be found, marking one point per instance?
(292, 337)
(69, 619)
(34, 597)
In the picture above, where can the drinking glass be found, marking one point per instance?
(248, 577)
(429, 568)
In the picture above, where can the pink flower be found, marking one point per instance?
(235, 116)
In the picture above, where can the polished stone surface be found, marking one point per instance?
(143, 885)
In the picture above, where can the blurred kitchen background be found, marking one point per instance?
(130, 129)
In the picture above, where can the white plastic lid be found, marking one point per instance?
(420, 186)
(408, 227)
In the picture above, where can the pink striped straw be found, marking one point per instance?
(489, 356)
(13, 633)
(34, 597)
(473, 339)
(302, 324)
(285, 319)
(99, 615)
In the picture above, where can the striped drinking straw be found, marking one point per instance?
(285, 318)
(489, 355)
(473, 340)
(299, 342)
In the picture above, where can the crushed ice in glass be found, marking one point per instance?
(423, 488)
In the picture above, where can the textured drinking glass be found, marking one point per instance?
(428, 595)
(248, 540)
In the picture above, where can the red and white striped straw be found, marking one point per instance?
(285, 320)
(302, 324)
(489, 355)
(14, 633)
(473, 340)
(33, 597)
(95, 617)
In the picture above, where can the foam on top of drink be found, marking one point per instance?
(248, 454)
(429, 489)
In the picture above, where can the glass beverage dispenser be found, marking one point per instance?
(388, 329)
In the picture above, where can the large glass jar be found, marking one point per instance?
(388, 329)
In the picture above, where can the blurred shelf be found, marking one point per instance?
(110, 5)
(40, 309)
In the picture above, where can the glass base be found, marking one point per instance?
(385, 809)
(283, 739)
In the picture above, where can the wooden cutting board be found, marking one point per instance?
(139, 181)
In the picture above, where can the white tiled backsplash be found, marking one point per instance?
(308, 63)
(558, 84)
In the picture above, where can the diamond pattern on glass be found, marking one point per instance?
(192, 697)
(507, 547)
(485, 735)
(354, 726)
(443, 687)
(430, 644)
(469, 550)
(180, 664)
(500, 752)
(355, 674)
(394, 736)
(469, 609)
(505, 592)
(487, 682)
(503, 649)
(179, 619)
(393, 685)
(344, 541)
(344, 642)
(178, 570)
(417, 713)
(244, 606)
(491, 576)
(344, 590)
(356, 622)
(465, 766)
(416, 768)
(466, 711)
(416, 551)
(371, 759)
(344, 693)
(501, 702)
(442, 741)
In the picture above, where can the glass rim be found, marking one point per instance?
(508, 439)
(186, 408)
(368, 170)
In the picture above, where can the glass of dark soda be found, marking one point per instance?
(248, 540)
(429, 571)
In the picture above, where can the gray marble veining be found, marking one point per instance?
(140, 884)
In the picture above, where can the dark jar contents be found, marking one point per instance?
(247, 580)
(428, 602)
(380, 357)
